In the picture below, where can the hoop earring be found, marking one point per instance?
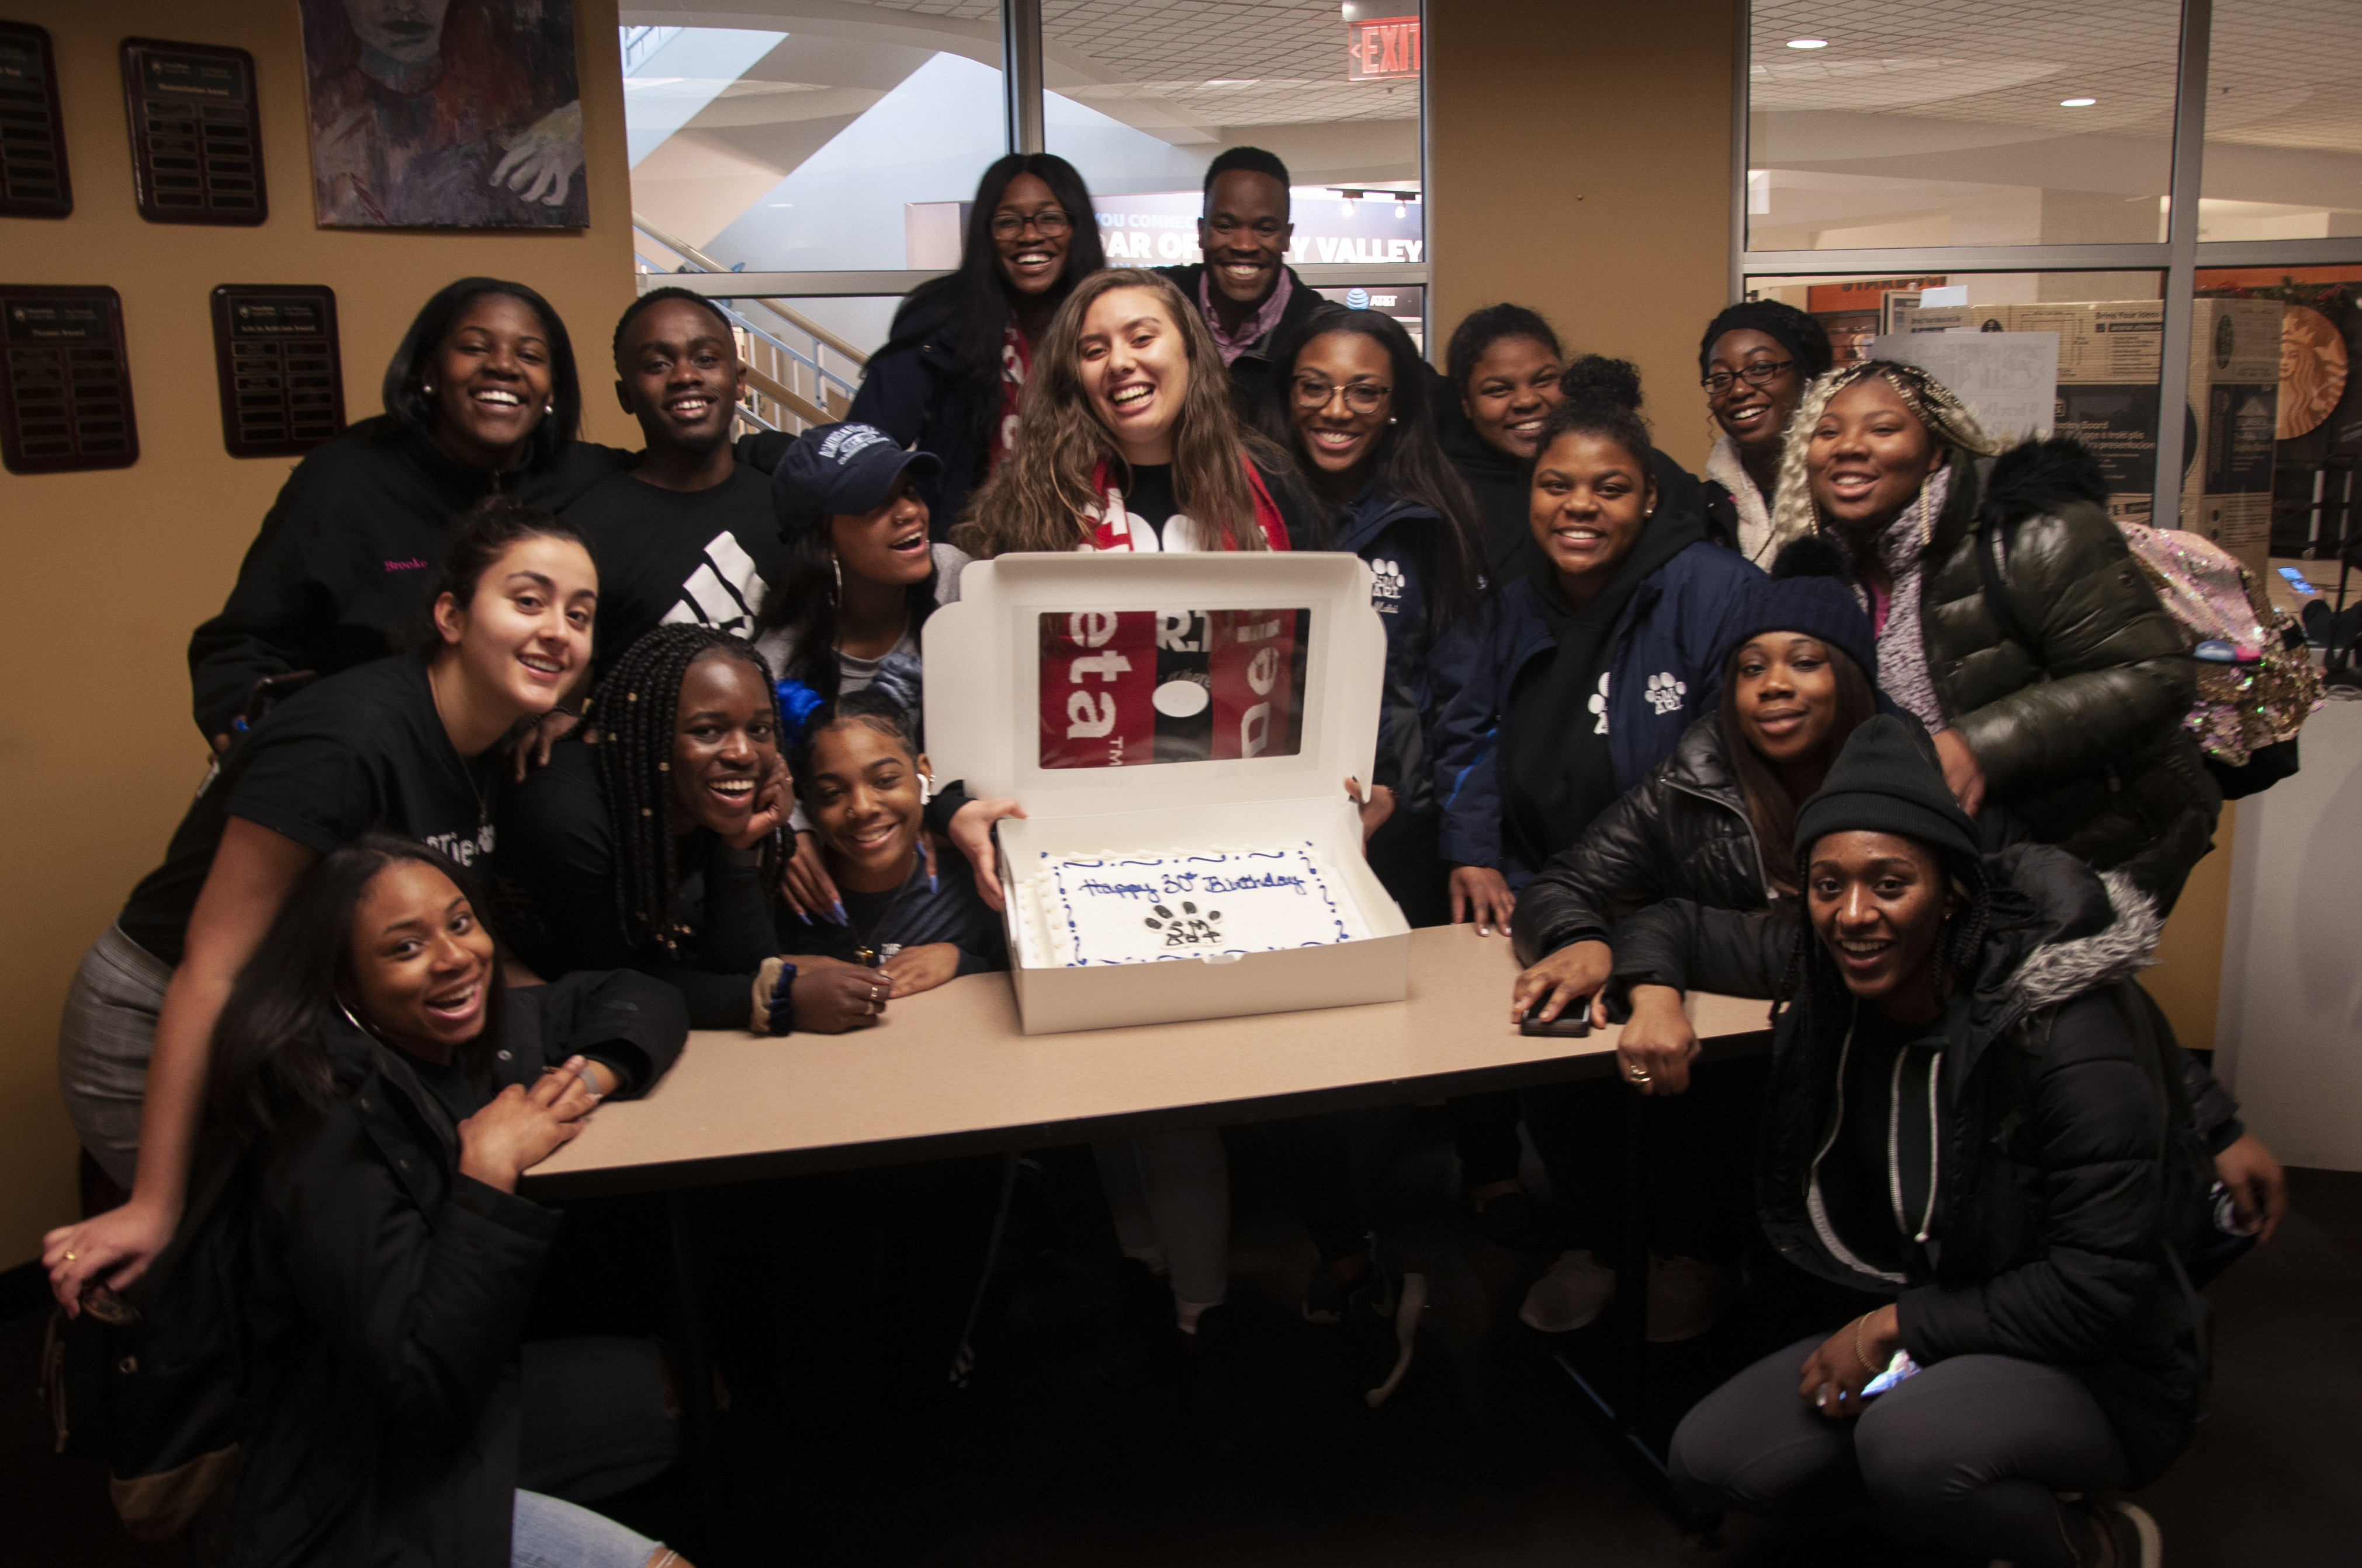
(343, 1008)
(836, 569)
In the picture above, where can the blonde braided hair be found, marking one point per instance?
(1934, 405)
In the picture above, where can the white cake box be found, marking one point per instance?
(1030, 696)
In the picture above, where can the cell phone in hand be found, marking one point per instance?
(1901, 1367)
(1572, 1025)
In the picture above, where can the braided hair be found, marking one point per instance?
(634, 708)
(1950, 425)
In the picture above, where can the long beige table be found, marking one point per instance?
(950, 1072)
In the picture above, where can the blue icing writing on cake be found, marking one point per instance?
(1133, 908)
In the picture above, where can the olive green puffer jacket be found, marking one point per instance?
(2078, 725)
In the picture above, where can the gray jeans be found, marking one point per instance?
(1970, 1453)
(104, 1041)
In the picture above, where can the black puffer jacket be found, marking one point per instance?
(1683, 832)
(2076, 721)
(388, 1296)
(2066, 1183)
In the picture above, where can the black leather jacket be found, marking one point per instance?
(2077, 720)
(1684, 833)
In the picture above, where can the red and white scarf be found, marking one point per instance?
(1016, 364)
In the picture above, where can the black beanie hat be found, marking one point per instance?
(1884, 781)
(1802, 336)
(1823, 608)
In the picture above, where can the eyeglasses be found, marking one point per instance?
(1362, 397)
(1049, 223)
(1758, 374)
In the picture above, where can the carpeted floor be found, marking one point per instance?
(1483, 1459)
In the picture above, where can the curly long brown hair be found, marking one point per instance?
(1036, 498)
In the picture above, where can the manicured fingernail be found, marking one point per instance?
(839, 907)
(931, 884)
(802, 917)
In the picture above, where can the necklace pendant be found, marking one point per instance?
(866, 957)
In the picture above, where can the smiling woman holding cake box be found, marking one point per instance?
(1128, 441)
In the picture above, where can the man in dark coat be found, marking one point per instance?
(1247, 291)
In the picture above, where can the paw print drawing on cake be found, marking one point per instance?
(1189, 929)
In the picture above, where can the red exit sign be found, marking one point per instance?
(1384, 49)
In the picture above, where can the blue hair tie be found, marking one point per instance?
(798, 702)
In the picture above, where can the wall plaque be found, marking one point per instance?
(196, 141)
(33, 182)
(282, 381)
(67, 401)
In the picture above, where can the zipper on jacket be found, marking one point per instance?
(1771, 895)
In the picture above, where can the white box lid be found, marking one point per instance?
(984, 657)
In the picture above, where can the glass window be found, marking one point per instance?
(2283, 121)
(802, 149)
(2110, 331)
(1947, 122)
(1142, 94)
(2317, 422)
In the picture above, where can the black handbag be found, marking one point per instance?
(151, 1380)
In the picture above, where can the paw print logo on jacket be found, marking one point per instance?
(1189, 929)
(1666, 693)
(1385, 586)
(1598, 704)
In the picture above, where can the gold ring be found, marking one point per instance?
(70, 1257)
(1637, 1075)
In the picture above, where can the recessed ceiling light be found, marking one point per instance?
(2077, 103)
(1808, 43)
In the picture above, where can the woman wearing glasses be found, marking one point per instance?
(1352, 405)
(1754, 362)
(952, 373)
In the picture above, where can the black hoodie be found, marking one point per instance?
(349, 553)
(1500, 484)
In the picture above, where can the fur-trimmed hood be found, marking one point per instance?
(2067, 965)
(2059, 931)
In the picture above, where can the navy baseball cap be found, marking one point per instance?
(840, 470)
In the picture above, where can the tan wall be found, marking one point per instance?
(2188, 978)
(108, 571)
(1579, 161)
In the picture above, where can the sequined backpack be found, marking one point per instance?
(2257, 685)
